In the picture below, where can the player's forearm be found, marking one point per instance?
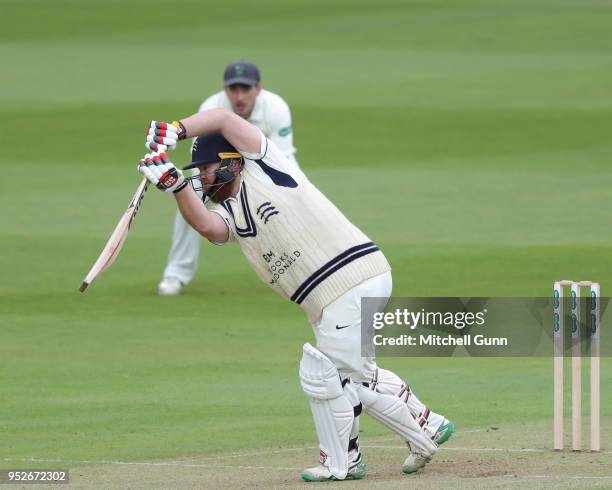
(205, 122)
(239, 132)
(196, 214)
(192, 209)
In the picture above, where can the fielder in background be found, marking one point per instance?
(307, 251)
(244, 95)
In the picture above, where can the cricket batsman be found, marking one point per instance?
(244, 95)
(307, 251)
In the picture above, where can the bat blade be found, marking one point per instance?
(117, 239)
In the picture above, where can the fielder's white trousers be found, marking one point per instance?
(342, 343)
(184, 251)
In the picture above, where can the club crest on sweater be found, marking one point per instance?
(266, 210)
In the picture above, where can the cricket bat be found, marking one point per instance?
(116, 240)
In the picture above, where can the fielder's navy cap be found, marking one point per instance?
(206, 150)
(241, 72)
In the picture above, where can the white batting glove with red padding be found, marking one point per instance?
(164, 134)
(161, 172)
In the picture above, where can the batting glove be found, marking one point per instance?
(161, 133)
(160, 171)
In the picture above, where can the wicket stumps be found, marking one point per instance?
(558, 333)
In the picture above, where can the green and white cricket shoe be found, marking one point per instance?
(444, 432)
(414, 462)
(321, 473)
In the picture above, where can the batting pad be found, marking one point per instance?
(393, 413)
(389, 383)
(331, 409)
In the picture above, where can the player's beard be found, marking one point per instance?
(222, 193)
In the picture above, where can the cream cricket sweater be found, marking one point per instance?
(297, 241)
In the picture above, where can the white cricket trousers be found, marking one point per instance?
(338, 332)
(184, 251)
(338, 335)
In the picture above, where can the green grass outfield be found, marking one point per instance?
(472, 140)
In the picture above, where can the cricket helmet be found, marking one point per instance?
(213, 148)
